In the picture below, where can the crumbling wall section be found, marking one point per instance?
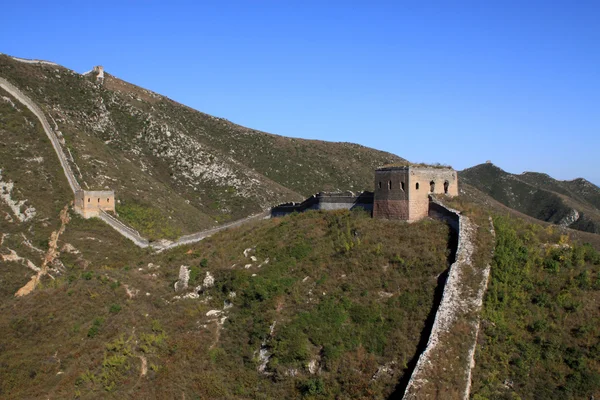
(443, 370)
(327, 201)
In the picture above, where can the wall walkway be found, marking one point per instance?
(16, 93)
(113, 222)
(443, 370)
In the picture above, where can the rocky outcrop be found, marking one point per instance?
(572, 217)
(184, 277)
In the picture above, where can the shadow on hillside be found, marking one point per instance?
(426, 332)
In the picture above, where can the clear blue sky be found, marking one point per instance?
(515, 82)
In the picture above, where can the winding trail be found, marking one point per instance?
(51, 254)
(112, 221)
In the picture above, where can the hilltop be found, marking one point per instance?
(574, 204)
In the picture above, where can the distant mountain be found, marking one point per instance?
(176, 170)
(574, 204)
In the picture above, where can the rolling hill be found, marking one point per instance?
(574, 204)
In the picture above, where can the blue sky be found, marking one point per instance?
(515, 82)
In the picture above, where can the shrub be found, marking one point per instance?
(114, 308)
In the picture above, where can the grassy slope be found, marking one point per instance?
(189, 169)
(344, 289)
(27, 160)
(579, 189)
(540, 319)
(538, 195)
(491, 206)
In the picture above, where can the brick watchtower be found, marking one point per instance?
(402, 192)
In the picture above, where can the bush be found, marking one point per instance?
(114, 308)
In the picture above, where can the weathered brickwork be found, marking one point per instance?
(391, 194)
(327, 201)
(89, 203)
(403, 192)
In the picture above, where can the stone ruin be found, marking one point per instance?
(89, 203)
(99, 70)
(400, 192)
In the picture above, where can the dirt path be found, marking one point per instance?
(51, 254)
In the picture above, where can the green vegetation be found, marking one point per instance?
(540, 320)
(340, 289)
(195, 170)
(149, 221)
(539, 196)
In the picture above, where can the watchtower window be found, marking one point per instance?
(417, 186)
(379, 185)
(108, 200)
(432, 186)
(390, 185)
(446, 184)
(98, 199)
(89, 199)
(402, 186)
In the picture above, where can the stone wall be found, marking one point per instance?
(402, 192)
(99, 70)
(327, 201)
(443, 370)
(17, 94)
(420, 179)
(88, 203)
(391, 195)
(123, 229)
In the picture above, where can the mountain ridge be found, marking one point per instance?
(574, 203)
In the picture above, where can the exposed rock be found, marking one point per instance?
(384, 369)
(131, 292)
(50, 255)
(6, 189)
(263, 263)
(184, 277)
(572, 217)
(69, 248)
(209, 280)
(247, 251)
(313, 366)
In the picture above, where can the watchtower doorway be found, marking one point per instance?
(446, 184)
(432, 186)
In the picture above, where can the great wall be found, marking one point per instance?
(459, 302)
(105, 200)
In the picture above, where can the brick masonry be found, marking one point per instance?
(89, 203)
(403, 192)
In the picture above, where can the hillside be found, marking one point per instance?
(540, 321)
(574, 204)
(176, 170)
(318, 304)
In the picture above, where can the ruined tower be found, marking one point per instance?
(402, 192)
(99, 70)
(88, 203)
